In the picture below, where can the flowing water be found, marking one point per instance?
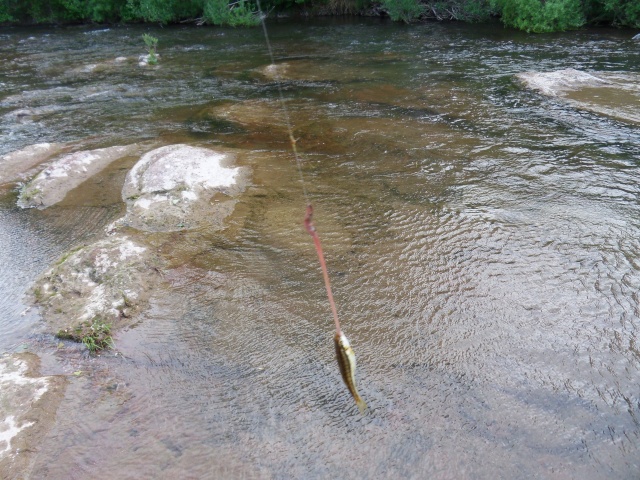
(483, 242)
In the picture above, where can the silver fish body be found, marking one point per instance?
(347, 364)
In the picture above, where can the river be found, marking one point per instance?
(483, 243)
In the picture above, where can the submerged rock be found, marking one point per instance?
(101, 67)
(553, 83)
(108, 281)
(30, 114)
(614, 95)
(252, 113)
(52, 184)
(312, 69)
(275, 71)
(179, 186)
(28, 405)
(18, 165)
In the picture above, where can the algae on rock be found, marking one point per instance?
(105, 283)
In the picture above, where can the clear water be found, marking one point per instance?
(482, 241)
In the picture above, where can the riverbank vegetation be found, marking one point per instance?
(529, 15)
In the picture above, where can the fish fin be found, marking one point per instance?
(362, 405)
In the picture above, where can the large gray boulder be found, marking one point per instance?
(108, 281)
(63, 175)
(180, 186)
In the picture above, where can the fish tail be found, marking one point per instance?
(362, 405)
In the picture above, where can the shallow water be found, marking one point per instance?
(482, 242)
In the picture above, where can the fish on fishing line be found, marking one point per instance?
(344, 352)
(347, 364)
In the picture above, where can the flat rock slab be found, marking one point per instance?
(101, 67)
(109, 281)
(611, 94)
(558, 81)
(18, 165)
(311, 70)
(31, 114)
(52, 184)
(28, 405)
(179, 187)
(253, 113)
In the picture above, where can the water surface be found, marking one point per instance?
(482, 241)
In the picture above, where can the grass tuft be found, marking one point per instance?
(95, 335)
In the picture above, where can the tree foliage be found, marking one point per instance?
(622, 13)
(404, 10)
(162, 11)
(240, 13)
(541, 15)
(528, 15)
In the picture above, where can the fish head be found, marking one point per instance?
(341, 340)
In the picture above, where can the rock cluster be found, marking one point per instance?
(171, 188)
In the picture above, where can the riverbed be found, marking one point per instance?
(482, 239)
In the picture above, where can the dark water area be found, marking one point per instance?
(483, 243)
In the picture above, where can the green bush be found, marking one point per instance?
(406, 11)
(240, 13)
(5, 14)
(61, 11)
(101, 11)
(528, 15)
(622, 13)
(541, 15)
(56, 11)
(161, 11)
(342, 7)
(465, 10)
(475, 11)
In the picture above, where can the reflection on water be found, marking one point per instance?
(483, 245)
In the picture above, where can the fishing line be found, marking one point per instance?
(344, 353)
(283, 104)
(308, 223)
